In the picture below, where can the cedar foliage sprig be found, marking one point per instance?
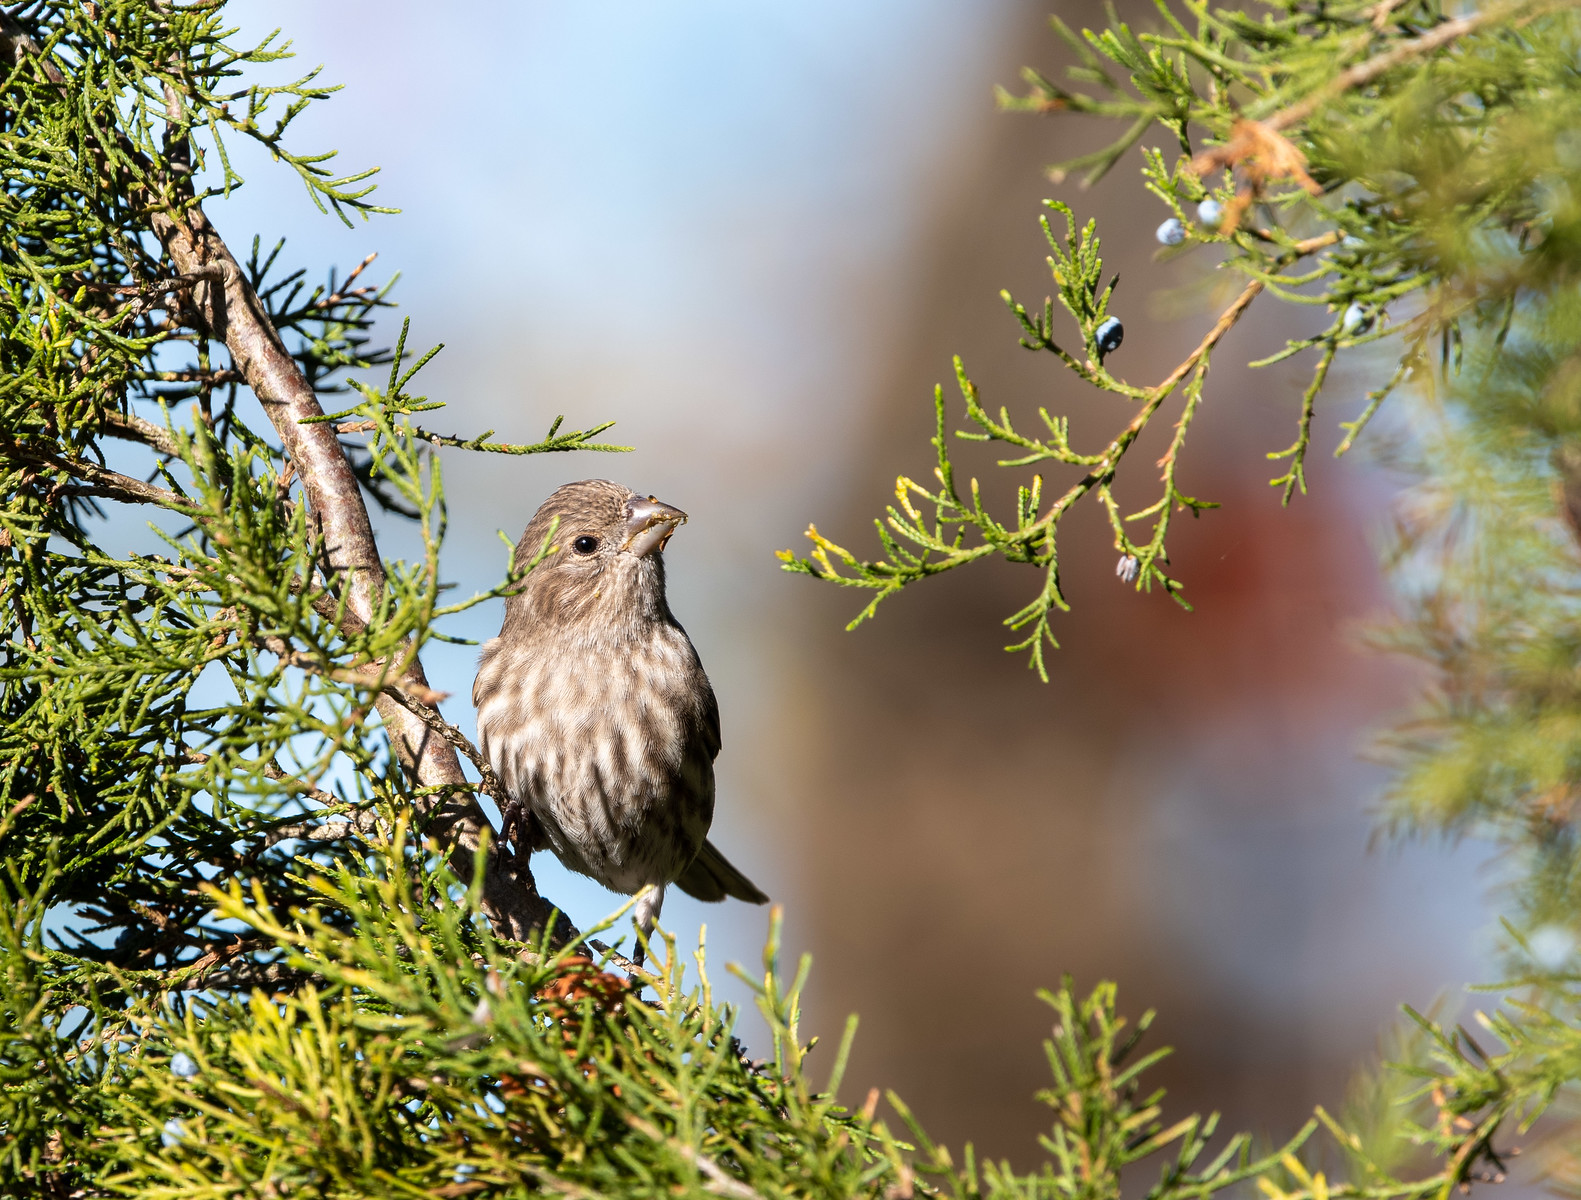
(403, 1047)
(1374, 160)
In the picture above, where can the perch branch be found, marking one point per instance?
(233, 313)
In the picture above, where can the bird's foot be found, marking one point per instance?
(510, 818)
(646, 914)
(519, 827)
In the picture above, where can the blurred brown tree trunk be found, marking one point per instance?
(1060, 852)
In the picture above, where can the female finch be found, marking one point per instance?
(594, 710)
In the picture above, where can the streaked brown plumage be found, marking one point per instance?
(594, 710)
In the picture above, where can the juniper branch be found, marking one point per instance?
(1379, 65)
(234, 314)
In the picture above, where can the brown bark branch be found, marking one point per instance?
(233, 313)
(1222, 326)
(236, 316)
(228, 309)
(17, 46)
(97, 480)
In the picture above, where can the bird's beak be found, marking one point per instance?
(649, 524)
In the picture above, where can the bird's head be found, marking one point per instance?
(605, 555)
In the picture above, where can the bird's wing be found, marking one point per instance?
(484, 683)
(710, 722)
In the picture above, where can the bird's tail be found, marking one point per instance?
(711, 877)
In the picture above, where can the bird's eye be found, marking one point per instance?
(585, 544)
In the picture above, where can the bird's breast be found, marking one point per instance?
(605, 743)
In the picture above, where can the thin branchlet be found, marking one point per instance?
(1267, 170)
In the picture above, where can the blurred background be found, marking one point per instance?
(754, 235)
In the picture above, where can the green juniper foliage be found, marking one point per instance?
(253, 940)
(1401, 172)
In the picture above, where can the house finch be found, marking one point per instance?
(594, 710)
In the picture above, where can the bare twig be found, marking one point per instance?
(361, 825)
(273, 771)
(635, 970)
(1222, 326)
(97, 480)
(431, 717)
(272, 977)
(208, 379)
(133, 428)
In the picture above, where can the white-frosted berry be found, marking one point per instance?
(1171, 232)
(182, 1065)
(1210, 212)
(1109, 334)
(1355, 320)
(172, 1133)
(1127, 568)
